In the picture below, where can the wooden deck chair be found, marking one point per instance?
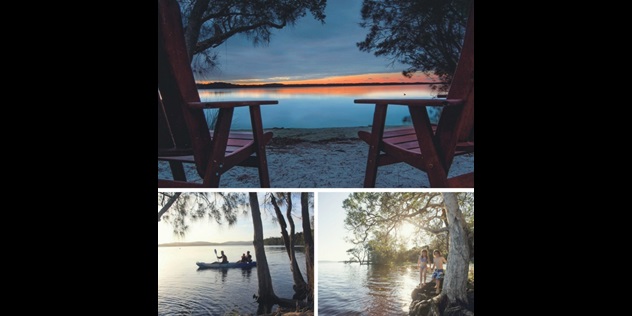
(183, 134)
(424, 146)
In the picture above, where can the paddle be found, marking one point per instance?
(215, 255)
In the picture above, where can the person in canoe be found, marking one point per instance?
(248, 256)
(244, 259)
(223, 257)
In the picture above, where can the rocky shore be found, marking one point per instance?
(425, 302)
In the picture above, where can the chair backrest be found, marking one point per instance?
(179, 127)
(455, 126)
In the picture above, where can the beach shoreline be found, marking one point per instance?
(322, 158)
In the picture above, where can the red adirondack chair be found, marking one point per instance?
(183, 135)
(424, 146)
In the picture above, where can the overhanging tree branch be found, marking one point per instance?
(170, 202)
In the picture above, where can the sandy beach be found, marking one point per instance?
(322, 158)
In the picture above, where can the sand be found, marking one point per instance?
(322, 158)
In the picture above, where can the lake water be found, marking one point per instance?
(185, 290)
(319, 107)
(353, 289)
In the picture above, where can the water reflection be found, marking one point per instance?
(245, 273)
(183, 289)
(320, 107)
(351, 289)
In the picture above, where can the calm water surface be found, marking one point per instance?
(352, 289)
(319, 107)
(185, 290)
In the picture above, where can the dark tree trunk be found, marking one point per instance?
(194, 25)
(165, 208)
(309, 245)
(281, 220)
(267, 298)
(300, 287)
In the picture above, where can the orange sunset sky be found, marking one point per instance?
(392, 77)
(309, 52)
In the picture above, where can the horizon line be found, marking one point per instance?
(223, 84)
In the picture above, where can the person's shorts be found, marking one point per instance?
(437, 274)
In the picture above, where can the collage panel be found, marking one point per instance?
(325, 113)
(235, 253)
(350, 122)
(395, 253)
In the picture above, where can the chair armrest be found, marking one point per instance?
(412, 102)
(228, 104)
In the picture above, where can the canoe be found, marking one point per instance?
(217, 265)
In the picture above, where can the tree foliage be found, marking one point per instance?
(359, 253)
(375, 220)
(208, 23)
(218, 206)
(426, 35)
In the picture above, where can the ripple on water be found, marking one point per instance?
(351, 289)
(185, 290)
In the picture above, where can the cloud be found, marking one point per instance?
(307, 50)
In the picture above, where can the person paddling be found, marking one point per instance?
(223, 257)
(248, 256)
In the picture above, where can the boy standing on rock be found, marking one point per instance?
(437, 265)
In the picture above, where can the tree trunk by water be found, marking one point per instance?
(455, 282)
(281, 220)
(309, 246)
(266, 298)
(300, 287)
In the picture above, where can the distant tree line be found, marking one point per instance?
(278, 241)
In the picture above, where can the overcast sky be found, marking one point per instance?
(308, 50)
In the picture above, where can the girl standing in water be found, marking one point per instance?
(422, 264)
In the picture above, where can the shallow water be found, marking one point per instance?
(352, 289)
(319, 107)
(185, 290)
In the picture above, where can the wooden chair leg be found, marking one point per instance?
(377, 131)
(177, 170)
(260, 146)
(437, 176)
(215, 165)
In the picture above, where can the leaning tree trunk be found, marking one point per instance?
(309, 245)
(281, 220)
(455, 282)
(300, 287)
(267, 298)
(170, 202)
